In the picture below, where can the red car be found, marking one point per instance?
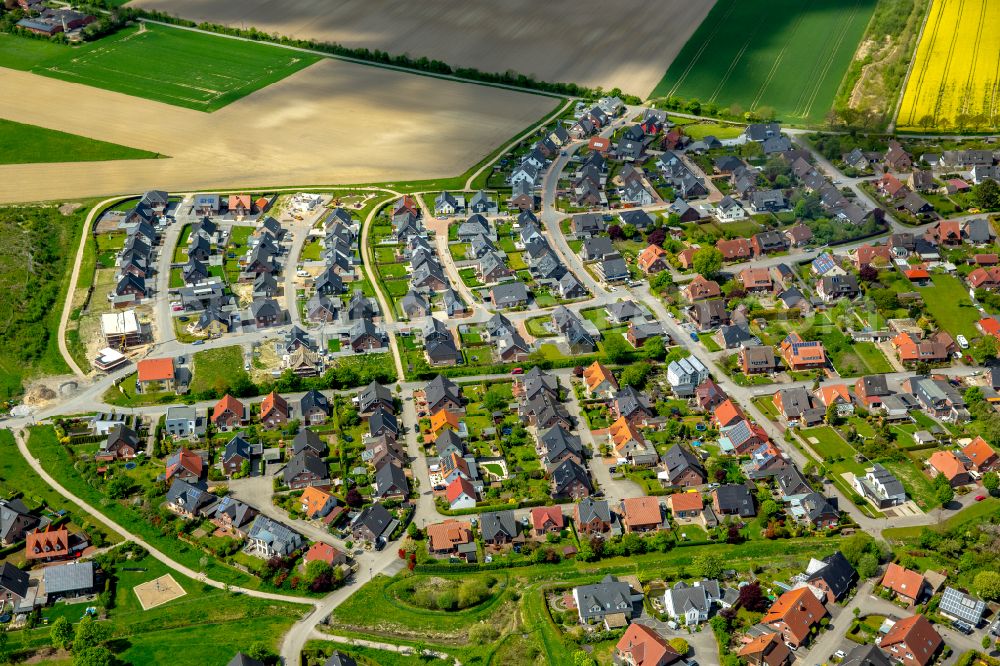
(980, 498)
(517, 371)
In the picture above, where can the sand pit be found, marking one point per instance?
(158, 592)
(628, 45)
(331, 123)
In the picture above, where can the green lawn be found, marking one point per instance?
(947, 300)
(829, 444)
(30, 144)
(170, 65)
(785, 54)
(39, 245)
(212, 366)
(708, 340)
(918, 485)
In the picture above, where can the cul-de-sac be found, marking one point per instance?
(434, 333)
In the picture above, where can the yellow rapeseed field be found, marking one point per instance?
(953, 84)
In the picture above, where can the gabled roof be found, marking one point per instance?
(645, 647)
(903, 581)
(305, 463)
(836, 572)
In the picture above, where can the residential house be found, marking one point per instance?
(228, 413)
(688, 508)
(390, 482)
(268, 538)
(701, 288)
(185, 465)
(685, 374)
(599, 380)
(304, 470)
(767, 649)
(709, 314)
(904, 583)
(155, 374)
(509, 295)
(733, 500)
(190, 500)
(682, 468)
(15, 521)
(795, 614)
(641, 646)
(609, 597)
(880, 487)
(959, 605)
(690, 604)
(757, 358)
(838, 287)
(912, 641)
(546, 520)
(592, 516)
(122, 443)
(641, 514)
(373, 525)
(237, 452)
(831, 577)
(449, 537)
(498, 528)
(981, 455)
(951, 466)
(802, 355)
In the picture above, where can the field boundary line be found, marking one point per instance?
(846, 27)
(909, 70)
(358, 61)
(948, 61)
(701, 50)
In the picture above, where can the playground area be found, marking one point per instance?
(158, 592)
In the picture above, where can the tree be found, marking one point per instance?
(94, 656)
(945, 494)
(495, 399)
(616, 350)
(707, 261)
(615, 232)
(752, 598)
(987, 194)
(984, 349)
(991, 481)
(635, 375)
(868, 273)
(661, 281)
(987, 585)
(90, 634)
(354, 498)
(867, 565)
(768, 510)
(856, 546)
(581, 658)
(119, 487)
(656, 237)
(679, 645)
(708, 566)
(260, 652)
(61, 633)
(653, 349)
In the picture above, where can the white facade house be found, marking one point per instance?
(690, 604)
(685, 375)
(728, 210)
(880, 487)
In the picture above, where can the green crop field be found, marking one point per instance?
(170, 65)
(789, 55)
(30, 144)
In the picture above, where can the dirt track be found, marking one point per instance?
(331, 123)
(626, 44)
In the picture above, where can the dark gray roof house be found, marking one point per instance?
(680, 462)
(242, 660)
(866, 655)
(373, 395)
(414, 304)
(308, 441)
(440, 390)
(383, 421)
(190, 498)
(13, 581)
(610, 596)
(595, 247)
(373, 523)
(390, 481)
(498, 526)
(270, 538)
(338, 658)
(15, 521)
(734, 500)
(509, 295)
(65, 580)
(835, 572)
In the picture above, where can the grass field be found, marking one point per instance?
(953, 83)
(213, 368)
(169, 65)
(789, 55)
(38, 245)
(30, 144)
(948, 302)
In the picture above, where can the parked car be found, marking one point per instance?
(980, 498)
(694, 336)
(197, 343)
(962, 341)
(517, 371)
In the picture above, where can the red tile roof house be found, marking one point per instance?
(641, 646)
(766, 650)
(756, 279)
(687, 508)
(907, 585)
(984, 278)
(868, 254)
(802, 355)
(546, 519)
(185, 465)
(947, 463)
(795, 614)
(701, 288)
(325, 553)
(273, 410)
(641, 514)
(738, 249)
(47, 545)
(913, 641)
(228, 413)
(154, 374)
(983, 457)
(445, 537)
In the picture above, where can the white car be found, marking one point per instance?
(962, 341)
(302, 273)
